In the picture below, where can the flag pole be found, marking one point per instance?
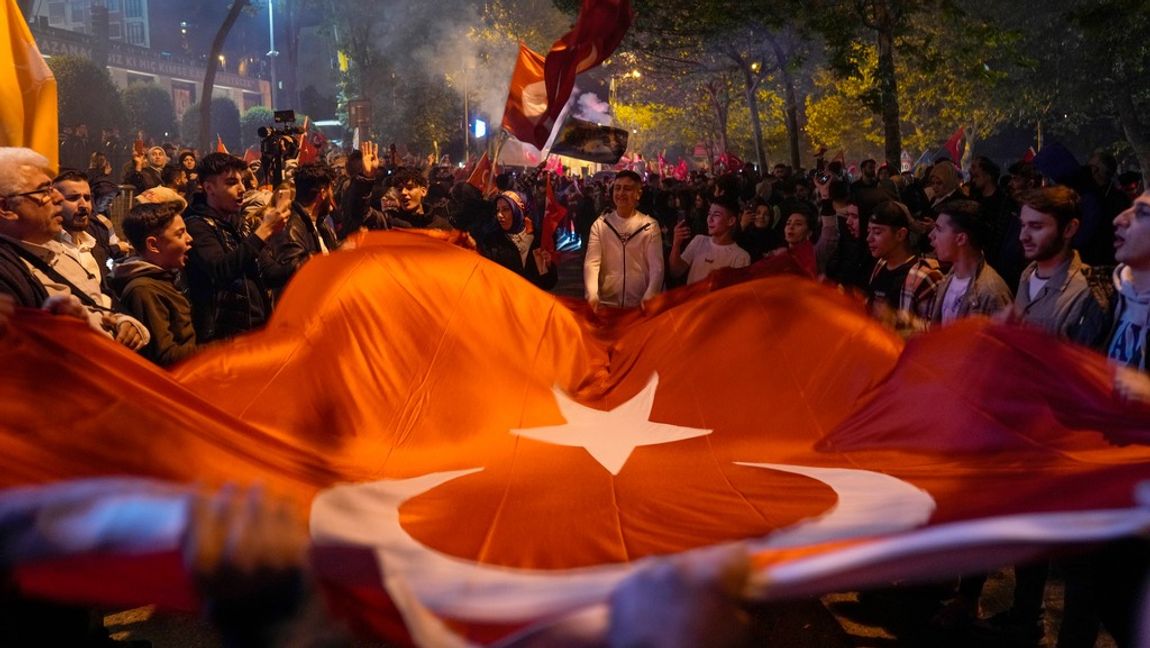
(499, 142)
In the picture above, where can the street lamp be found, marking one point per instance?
(272, 53)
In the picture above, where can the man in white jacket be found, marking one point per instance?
(624, 263)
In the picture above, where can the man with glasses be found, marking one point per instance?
(33, 263)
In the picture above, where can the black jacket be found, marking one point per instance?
(152, 295)
(225, 275)
(297, 242)
(497, 247)
(17, 280)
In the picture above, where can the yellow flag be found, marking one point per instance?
(27, 89)
(343, 60)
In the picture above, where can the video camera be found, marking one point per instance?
(277, 145)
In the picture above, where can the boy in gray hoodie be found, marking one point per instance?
(149, 282)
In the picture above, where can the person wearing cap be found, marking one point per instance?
(902, 283)
(515, 246)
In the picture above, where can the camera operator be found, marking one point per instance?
(225, 266)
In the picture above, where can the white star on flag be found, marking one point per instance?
(611, 436)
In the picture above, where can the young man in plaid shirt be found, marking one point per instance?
(902, 283)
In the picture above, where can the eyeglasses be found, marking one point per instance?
(44, 192)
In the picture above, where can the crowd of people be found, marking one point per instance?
(209, 245)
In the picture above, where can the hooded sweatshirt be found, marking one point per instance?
(150, 294)
(1131, 322)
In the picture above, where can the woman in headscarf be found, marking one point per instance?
(515, 246)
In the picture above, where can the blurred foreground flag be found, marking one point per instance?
(476, 455)
(28, 91)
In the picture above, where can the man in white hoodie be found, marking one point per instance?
(1127, 343)
(624, 263)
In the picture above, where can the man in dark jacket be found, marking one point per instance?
(307, 233)
(360, 208)
(225, 267)
(148, 284)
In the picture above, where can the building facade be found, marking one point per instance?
(128, 65)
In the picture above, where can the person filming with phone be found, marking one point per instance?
(228, 256)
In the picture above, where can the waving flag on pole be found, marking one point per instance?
(867, 462)
(600, 28)
(28, 110)
(480, 177)
(956, 145)
(526, 116)
(220, 147)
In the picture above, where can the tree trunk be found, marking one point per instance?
(888, 84)
(790, 97)
(1135, 131)
(210, 74)
(751, 85)
(720, 106)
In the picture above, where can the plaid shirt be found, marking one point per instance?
(922, 280)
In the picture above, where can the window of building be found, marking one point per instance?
(115, 31)
(133, 9)
(56, 13)
(113, 5)
(135, 32)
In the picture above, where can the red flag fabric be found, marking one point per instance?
(681, 171)
(251, 153)
(526, 116)
(431, 476)
(956, 145)
(1029, 155)
(553, 214)
(600, 28)
(308, 152)
(480, 177)
(220, 148)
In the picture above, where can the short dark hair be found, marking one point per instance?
(966, 216)
(146, 220)
(408, 175)
(890, 213)
(71, 175)
(1059, 201)
(988, 167)
(215, 164)
(627, 173)
(310, 179)
(729, 203)
(801, 207)
(170, 172)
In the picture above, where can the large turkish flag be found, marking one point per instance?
(468, 445)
